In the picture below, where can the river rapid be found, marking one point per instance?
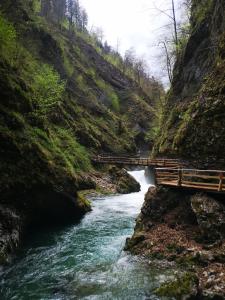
(86, 260)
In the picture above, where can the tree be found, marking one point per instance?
(53, 10)
(172, 17)
(77, 15)
(176, 32)
(70, 8)
(169, 62)
(97, 34)
(129, 59)
(139, 68)
(84, 19)
(46, 8)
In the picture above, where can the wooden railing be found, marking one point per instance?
(125, 160)
(211, 180)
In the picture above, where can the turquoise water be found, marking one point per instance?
(85, 261)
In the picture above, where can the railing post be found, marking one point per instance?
(155, 175)
(220, 182)
(179, 182)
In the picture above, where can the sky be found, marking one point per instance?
(133, 23)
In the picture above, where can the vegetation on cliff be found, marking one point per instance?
(196, 99)
(61, 99)
(179, 226)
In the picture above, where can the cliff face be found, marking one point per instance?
(180, 226)
(194, 118)
(61, 102)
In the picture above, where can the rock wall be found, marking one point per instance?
(193, 125)
(188, 230)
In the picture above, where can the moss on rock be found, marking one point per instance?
(184, 287)
(125, 183)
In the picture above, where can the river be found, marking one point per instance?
(86, 260)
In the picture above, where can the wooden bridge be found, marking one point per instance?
(202, 180)
(136, 161)
(171, 173)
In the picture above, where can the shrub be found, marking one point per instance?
(115, 102)
(7, 38)
(48, 89)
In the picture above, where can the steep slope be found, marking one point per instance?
(61, 102)
(178, 225)
(194, 118)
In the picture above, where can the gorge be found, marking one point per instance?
(66, 221)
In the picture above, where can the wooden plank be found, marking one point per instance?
(200, 183)
(197, 170)
(169, 174)
(201, 176)
(170, 183)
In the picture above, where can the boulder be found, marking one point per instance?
(210, 214)
(125, 183)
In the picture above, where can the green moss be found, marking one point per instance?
(178, 288)
(37, 6)
(200, 11)
(7, 39)
(83, 202)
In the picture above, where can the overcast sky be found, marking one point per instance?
(132, 23)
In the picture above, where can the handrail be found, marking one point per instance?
(195, 170)
(137, 161)
(179, 178)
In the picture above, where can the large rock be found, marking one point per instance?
(11, 225)
(125, 183)
(210, 215)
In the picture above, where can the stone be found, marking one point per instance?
(210, 214)
(124, 181)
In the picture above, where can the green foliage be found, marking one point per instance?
(60, 147)
(179, 288)
(112, 98)
(157, 121)
(183, 38)
(48, 89)
(7, 38)
(80, 82)
(115, 102)
(65, 23)
(200, 11)
(37, 6)
(75, 155)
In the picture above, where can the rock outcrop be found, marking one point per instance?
(210, 216)
(187, 230)
(125, 183)
(11, 228)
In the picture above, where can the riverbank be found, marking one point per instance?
(57, 207)
(187, 230)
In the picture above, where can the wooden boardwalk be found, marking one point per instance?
(169, 172)
(202, 180)
(136, 161)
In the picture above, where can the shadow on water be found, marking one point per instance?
(85, 260)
